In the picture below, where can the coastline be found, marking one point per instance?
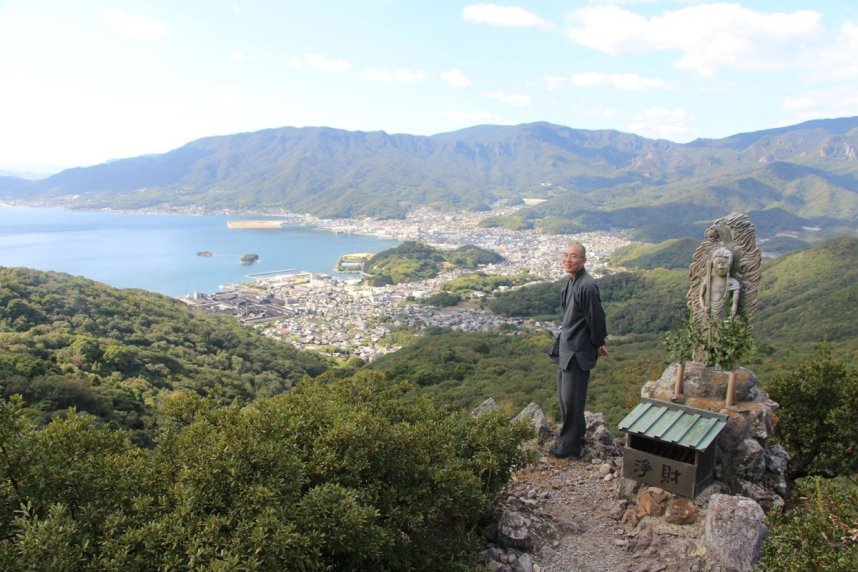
(532, 250)
(375, 228)
(159, 252)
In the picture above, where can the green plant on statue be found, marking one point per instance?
(680, 344)
(729, 342)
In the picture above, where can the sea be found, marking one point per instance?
(159, 252)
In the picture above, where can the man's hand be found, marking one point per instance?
(603, 351)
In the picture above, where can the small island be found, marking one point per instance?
(204, 253)
(249, 258)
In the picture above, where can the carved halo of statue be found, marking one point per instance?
(725, 272)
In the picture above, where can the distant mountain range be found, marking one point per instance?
(792, 180)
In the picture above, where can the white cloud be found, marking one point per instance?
(848, 37)
(400, 75)
(242, 57)
(838, 61)
(324, 63)
(833, 102)
(799, 102)
(517, 99)
(706, 37)
(456, 78)
(554, 82)
(135, 26)
(662, 123)
(621, 81)
(512, 16)
(223, 96)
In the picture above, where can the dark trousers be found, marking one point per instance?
(572, 393)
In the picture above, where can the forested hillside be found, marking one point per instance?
(803, 294)
(68, 341)
(811, 295)
(806, 298)
(672, 254)
(412, 261)
(114, 353)
(461, 370)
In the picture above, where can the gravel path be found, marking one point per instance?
(577, 522)
(584, 513)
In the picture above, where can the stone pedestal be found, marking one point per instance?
(744, 461)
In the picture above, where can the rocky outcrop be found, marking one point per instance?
(486, 406)
(534, 414)
(583, 515)
(745, 461)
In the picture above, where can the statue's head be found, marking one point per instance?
(722, 259)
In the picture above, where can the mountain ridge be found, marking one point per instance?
(590, 179)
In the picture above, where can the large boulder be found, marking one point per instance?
(704, 382)
(734, 531)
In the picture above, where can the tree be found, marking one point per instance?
(728, 342)
(68, 492)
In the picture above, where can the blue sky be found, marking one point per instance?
(86, 81)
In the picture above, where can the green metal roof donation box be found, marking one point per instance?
(671, 446)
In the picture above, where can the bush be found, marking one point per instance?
(818, 408)
(352, 474)
(819, 533)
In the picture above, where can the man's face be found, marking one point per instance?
(573, 259)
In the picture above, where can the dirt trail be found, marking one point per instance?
(577, 518)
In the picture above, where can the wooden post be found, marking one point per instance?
(680, 376)
(731, 389)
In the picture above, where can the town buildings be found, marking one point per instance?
(342, 316)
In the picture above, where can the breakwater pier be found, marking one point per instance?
(270, 272)
(255, 223)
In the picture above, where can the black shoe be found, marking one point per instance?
(561, 450)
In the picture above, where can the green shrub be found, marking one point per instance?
(351, 474)
(682, 340)
(728, 342)
(820, 532)
(818, 408)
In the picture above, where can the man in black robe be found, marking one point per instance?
(579, 344)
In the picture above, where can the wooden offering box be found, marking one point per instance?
(671, 446)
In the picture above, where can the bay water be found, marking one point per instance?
(158, 252)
